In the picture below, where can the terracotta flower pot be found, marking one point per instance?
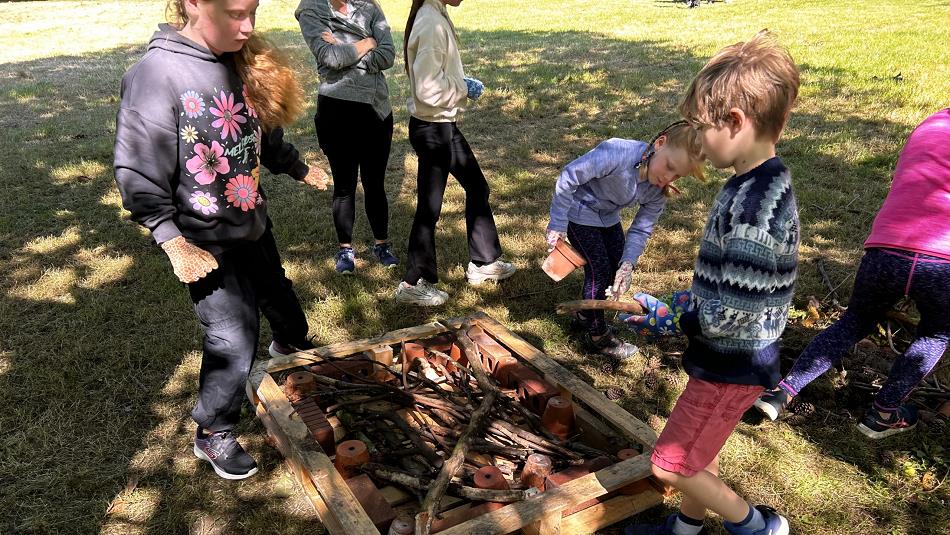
(558, 417)
(490, 477)
(536, 468)
(350, 455)
(299, 385)
(562, 261)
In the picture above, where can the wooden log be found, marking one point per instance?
(631, 427)
(434, 496)
(570, 307)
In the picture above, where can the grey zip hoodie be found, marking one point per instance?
(344, 74)
(188, 147)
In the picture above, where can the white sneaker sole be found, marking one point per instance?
(766, 409)
(199, 453)
(870, 433)
(479, 278)
(273, 352)
(782, 528)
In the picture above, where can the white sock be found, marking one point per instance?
(757, 521)
(682, 528)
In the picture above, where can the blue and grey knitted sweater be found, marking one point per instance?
(744, 279)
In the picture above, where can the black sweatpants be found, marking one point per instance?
(442, 149)
(357, 143)
(249, 279)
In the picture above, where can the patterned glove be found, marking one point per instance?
(660, 319)
(317, 178)
(190, 262)
(682, 302)
(553, 236)
(621, 281)
(475, 87)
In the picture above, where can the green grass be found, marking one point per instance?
(99, 347)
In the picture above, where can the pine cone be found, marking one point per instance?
(655, 422)
(607, 368)
(614, 393)
(654, 363)
(675, 380)
(650, 380)
(802, 408)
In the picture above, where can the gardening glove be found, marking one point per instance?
(553, 236)
(621, 281)
(681, 303)
(475, 87)
(189, 261)
(317, 178)
(660, 320)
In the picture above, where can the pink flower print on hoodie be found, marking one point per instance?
(207, 163)
(228, 116)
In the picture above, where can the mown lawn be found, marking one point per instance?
(98, 344)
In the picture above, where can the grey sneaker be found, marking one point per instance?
(277, 349)
(225, 454)
(611, 346)
(422, 294)
(495, 271)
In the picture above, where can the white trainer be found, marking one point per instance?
(495, 271)
(422, 294)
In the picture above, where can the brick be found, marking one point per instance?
(533, 391)
(372, 501)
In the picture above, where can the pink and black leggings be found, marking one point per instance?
(884, 277)
(602, 247)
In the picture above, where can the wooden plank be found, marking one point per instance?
(548, 525)
(610, 411)
(516, 515)
(343, 510)
(343, 349)
(610, 512)
(303, 479)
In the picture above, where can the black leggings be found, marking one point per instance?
(442, 149)
(356, 142)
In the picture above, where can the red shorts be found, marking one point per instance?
(703, 418)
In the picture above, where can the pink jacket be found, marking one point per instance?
(916, 213)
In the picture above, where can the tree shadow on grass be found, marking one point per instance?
(100, 347)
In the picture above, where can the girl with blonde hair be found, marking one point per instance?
(200, 113)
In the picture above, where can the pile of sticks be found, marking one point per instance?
(430, 427)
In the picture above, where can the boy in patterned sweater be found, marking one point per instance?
(742, 285)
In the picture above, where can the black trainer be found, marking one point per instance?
(772, 403)
(611, 346)
(225, 454)
(897, 421)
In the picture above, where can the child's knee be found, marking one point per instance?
(664, 475)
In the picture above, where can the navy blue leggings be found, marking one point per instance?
(602, 247)
(884, 277)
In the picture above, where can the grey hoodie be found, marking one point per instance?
(343, 73)
(188, 147)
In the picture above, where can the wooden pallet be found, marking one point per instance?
(342, 514)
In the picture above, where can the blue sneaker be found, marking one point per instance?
(900, 420)
(665, 528)
(775, 524)
(385, 255)
(345, 261)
